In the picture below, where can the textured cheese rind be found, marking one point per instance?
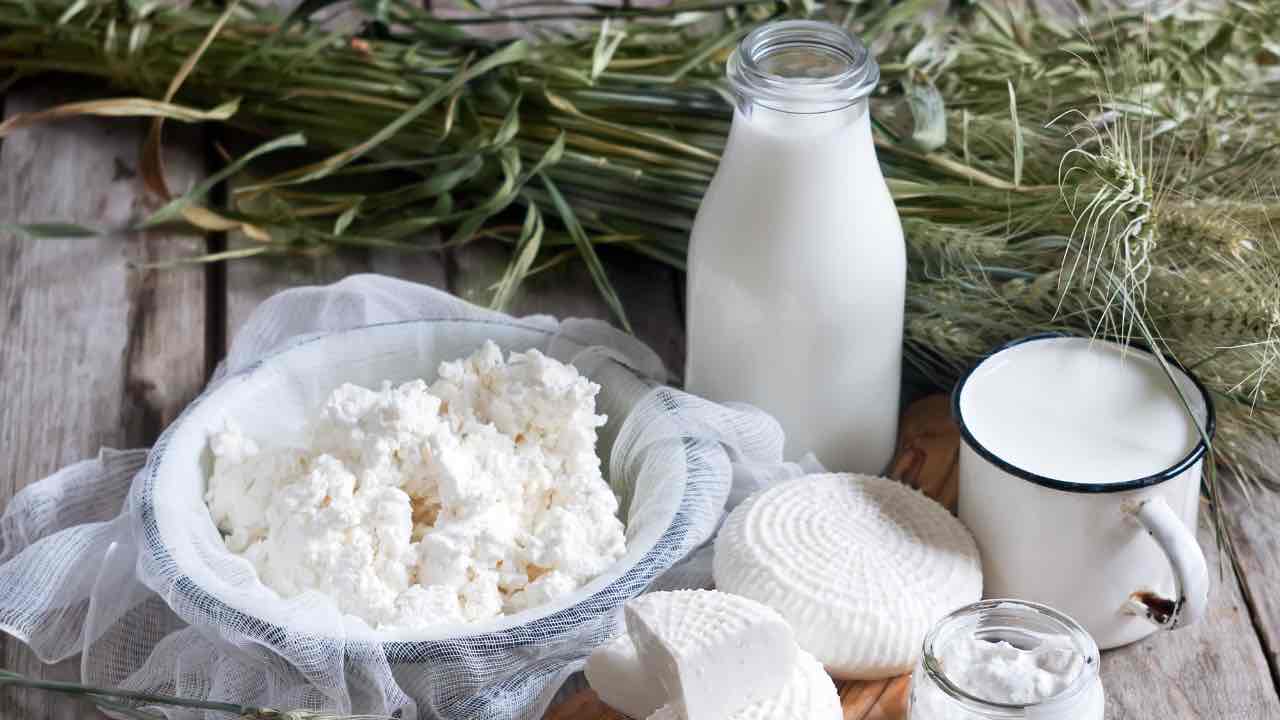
(713, 653)
(860, 566)
(615, 673)
(808, 694)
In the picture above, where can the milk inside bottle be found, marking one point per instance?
(797, 266)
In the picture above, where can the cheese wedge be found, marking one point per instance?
(808, 694)
(713, 653)
(615, 673)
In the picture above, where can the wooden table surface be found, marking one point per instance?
(94, 352)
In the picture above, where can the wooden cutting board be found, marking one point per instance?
(928, 442)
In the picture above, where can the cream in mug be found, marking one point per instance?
(1054, 407)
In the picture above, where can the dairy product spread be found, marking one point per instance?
(1000, 672)
(1007, 658)
(415, 505)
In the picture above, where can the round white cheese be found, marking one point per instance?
(808, 694)
(860, 566)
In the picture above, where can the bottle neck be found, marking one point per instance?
(800, 68)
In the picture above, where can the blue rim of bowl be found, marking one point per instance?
(397, 651)
(1196, 454)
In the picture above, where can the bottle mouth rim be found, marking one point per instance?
(842, 72)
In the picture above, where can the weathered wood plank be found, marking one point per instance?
(427, 268)
(647, 289)
(564, 291)
(1251, 523)
(650, 292)
(250, 281)
(253, 280)
(93, 353)
(1213, 670)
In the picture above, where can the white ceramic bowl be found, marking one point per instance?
(270, 400)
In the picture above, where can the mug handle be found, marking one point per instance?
(1190, 571)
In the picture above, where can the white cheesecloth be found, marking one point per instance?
(79, 570)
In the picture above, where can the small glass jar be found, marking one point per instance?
(1025, 625)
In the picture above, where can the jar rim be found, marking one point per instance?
(843, 71)
(1081, 639)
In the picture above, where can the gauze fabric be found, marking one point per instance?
(83, 569)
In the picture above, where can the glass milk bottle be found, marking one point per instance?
(797, 267)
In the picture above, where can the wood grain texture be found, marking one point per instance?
(93, 353)
(1216, 669)
(1252, 514)
(647, 288)
(253, 280)
(427, 268)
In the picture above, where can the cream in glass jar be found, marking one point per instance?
(797, 266)
(1004, 659)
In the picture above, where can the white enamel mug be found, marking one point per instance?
(1117, 553)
